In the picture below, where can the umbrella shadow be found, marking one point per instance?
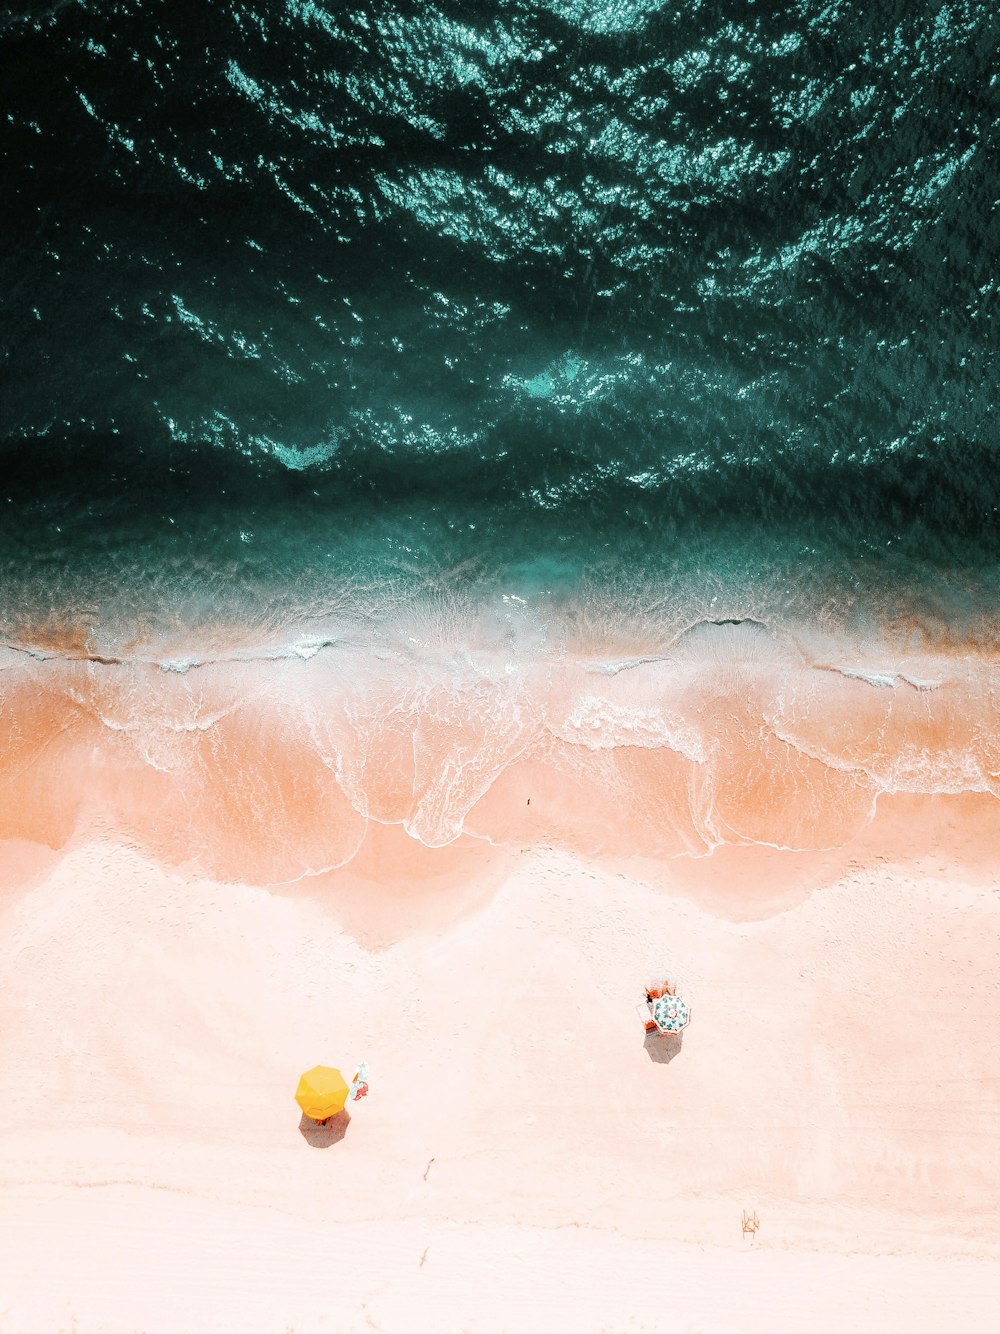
(663, 1047)
(322, 1137)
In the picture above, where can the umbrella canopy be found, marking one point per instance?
(322, 1092)
(671, 1014)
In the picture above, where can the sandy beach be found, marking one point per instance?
(525, 1159)
(499, 504)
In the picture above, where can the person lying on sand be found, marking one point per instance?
(663, 987)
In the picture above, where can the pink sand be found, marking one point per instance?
(523, 1161)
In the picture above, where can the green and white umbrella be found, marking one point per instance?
(671, 1014)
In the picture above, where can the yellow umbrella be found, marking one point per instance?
(322, 1092)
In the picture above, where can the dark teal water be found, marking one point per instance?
(313, 311)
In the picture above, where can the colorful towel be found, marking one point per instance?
(359, 1085)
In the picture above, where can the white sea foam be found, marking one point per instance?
(625, 665)
(872, 676)
(600, 724)
(728, 736)
(919, 683)
(882, 677)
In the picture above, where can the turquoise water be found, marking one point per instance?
(317, 311)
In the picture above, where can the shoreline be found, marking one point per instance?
(272, 772)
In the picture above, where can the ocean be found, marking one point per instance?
(568, 422)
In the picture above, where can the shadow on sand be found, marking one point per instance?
(663, 1047)
(321, 1137)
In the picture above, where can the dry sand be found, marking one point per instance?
(525, 1161)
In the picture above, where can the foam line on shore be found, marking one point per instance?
(272, 769)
